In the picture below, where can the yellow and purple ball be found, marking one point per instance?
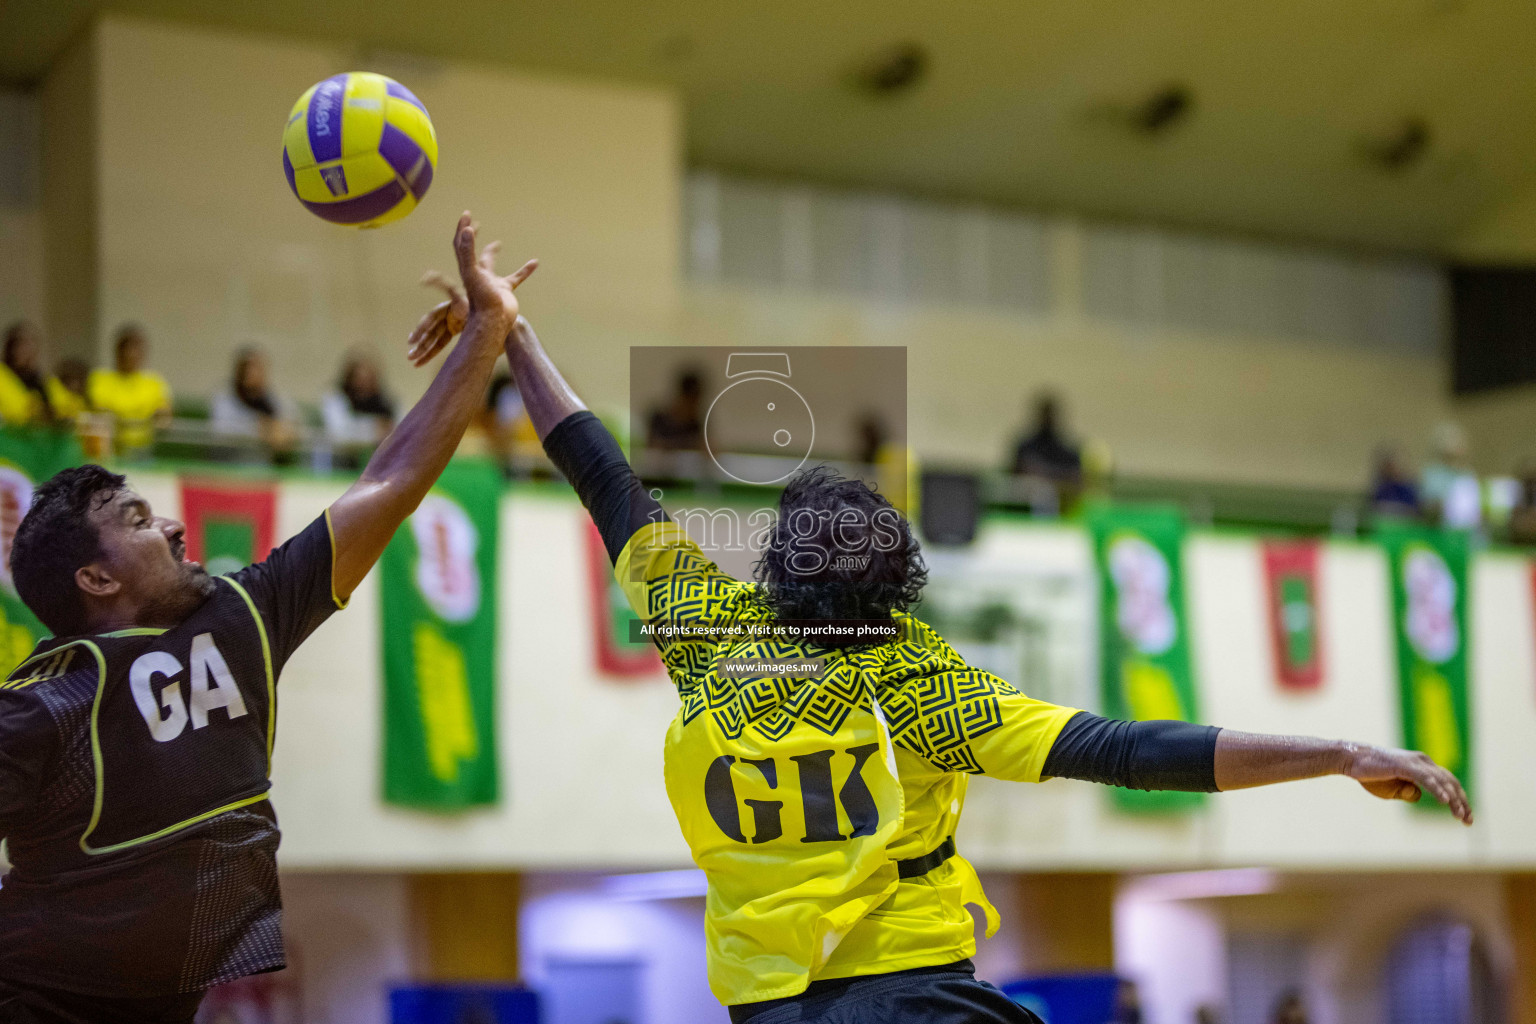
(359, 149)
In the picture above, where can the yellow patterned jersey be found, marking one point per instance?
(798, 794)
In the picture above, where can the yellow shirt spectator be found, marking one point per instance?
(19, 404)
(67, 405)
(134, 399)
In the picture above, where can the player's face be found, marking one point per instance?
(147, 554)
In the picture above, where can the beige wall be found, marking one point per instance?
(202, 241)
(21, 215)
(70, 192)
(197, 236)
(1176, 405)
(21, 265)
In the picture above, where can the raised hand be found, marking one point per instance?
(483, 293)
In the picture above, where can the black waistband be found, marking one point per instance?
(927, 862)
(824, 993)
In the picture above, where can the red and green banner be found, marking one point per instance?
(1292, 583)
(1430, 616)
(229, 524)
(1145, 657)
(611, 616)
(438, 607)
(27, 458)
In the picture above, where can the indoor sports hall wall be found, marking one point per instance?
(200, 239)
(581, 754)
(1502, 424)
(164, 204)
(21, 215)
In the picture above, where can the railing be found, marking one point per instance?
(1271, 508)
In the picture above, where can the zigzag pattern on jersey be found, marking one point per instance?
(772, 705)
(695, 591)
(936, 704)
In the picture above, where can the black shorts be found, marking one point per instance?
(21, 1003)
(949, 994)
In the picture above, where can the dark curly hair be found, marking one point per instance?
(55, 538)
(839, 550)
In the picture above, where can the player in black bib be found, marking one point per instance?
(136, 743)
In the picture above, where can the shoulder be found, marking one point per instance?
(52, 673)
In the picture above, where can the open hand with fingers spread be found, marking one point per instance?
(481, 293)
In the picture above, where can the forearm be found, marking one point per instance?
(409, 460)
(579, 445)
(546, 395)
(589, 457)
(1246, 759)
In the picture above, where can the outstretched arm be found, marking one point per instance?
(1182, 756)
(1245, 759)
(409, 461)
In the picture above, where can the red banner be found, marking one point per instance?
(1295, 621)
(611, 616)
(229, 525)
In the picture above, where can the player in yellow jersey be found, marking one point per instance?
(820, 794)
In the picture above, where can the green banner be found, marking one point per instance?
(27, 458)
(438, 581)
(1429, 613)
(1144, 667)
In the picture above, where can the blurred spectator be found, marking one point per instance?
(872, 438)
(358, 412)
(679, 425)
(138, 400)
(1290, 1010)
(1044, 452)
(1449, 492)
(23, 391)
(506, 422)
(1393, 492)
(251, 407)
(1098, 468)
(68, 392)
(1127, 1003)
(1522, 518)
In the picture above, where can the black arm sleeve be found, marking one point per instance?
(581, 448)
(1137, 755)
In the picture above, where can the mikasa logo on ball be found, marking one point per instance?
(329, 98)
